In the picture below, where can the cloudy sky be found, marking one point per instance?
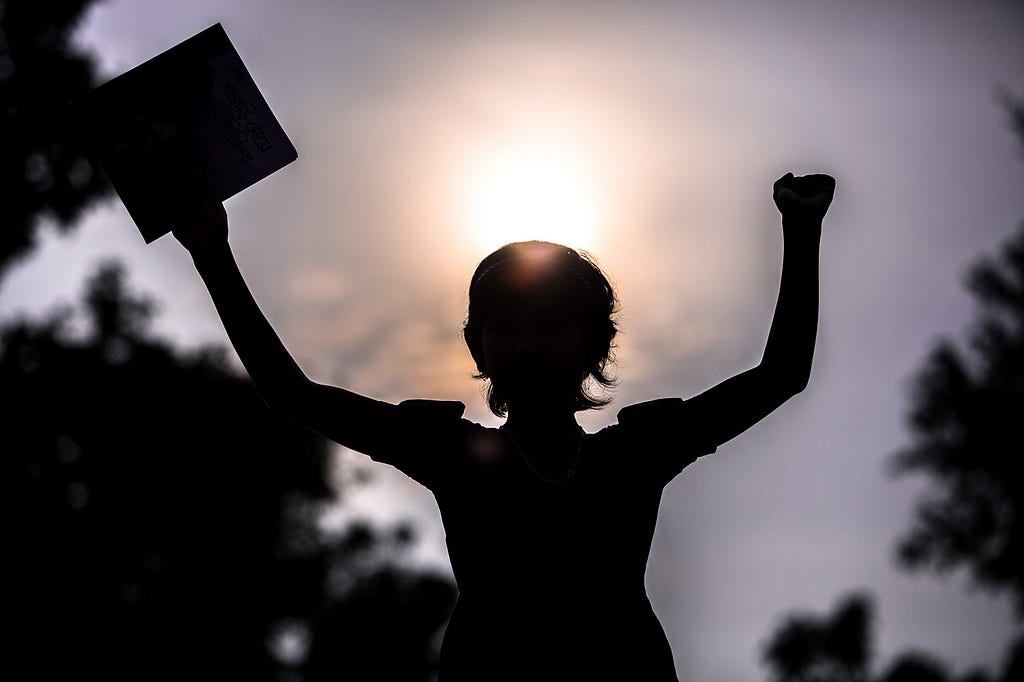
(648, 133)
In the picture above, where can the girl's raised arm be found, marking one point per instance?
(733, 406)
(343, 416)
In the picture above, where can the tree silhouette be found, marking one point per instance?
(839, 647)
(836, 648)
(164, 520)
(968, 437)
(44, 169)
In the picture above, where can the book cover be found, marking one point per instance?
(190, 117)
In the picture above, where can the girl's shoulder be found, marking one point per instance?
(662, 437)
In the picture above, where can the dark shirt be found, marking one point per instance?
(550, 574)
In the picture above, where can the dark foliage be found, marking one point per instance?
(44, 169)
(836, 648)
(163, 520)
(389, 628)
(839, 647)
(968, 437)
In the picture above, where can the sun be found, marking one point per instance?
(532, 191)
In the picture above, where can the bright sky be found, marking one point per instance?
(648, 133)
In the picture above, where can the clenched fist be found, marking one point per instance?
(803, 198)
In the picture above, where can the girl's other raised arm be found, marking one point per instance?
(343, 416)
(733, 406)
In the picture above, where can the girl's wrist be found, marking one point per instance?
(802, 229)
(210, 254)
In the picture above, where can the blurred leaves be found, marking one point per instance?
(839, 647)
(45, 171)
(164, 519)
(835, 648)
(968, 438)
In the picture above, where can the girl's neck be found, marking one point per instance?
(549, 441)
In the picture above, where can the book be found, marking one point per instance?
(189, 119)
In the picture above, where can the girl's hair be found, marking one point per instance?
(585, 291)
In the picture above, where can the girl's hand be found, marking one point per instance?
(805, 198)
(200, 223)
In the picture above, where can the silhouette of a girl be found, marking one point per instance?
(548, 528)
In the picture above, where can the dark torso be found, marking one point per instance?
(550, 574)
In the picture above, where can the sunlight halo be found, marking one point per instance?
(531, 190)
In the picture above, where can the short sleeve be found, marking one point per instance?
(422, 439)
(664, 437)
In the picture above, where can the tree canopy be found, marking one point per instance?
(165, 520)
(45, 169)
(839, 647)
(968, 436)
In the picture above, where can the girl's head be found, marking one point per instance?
(541, 323)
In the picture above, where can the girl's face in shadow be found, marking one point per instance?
(534, 349)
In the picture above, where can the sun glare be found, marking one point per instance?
(538, 191)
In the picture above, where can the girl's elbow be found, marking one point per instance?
(798, 381)
(787, 382)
